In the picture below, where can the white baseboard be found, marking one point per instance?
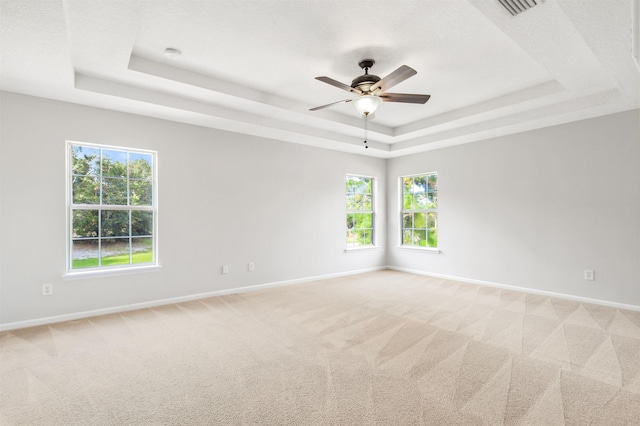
(188, 298)
(521, 289)
(180, 299)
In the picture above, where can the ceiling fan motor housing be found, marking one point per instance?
(365, 81)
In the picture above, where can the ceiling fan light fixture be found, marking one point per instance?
(367, 104)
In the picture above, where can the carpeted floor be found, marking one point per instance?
(385, 348)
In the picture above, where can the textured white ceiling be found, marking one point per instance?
(249, 66)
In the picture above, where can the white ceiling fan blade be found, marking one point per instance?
(328, 105)
(398, 76)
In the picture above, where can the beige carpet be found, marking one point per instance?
(385, 348)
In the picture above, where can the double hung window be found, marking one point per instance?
(112, 207)
(420, 210)
(360, 211)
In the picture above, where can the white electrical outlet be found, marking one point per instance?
(588, 275)
(252, 266)
(47, 289)
(225, 269)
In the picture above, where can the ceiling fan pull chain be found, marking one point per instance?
(365, 130)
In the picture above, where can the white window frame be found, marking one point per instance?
(372, 212)
(72, 273)
(426, 211)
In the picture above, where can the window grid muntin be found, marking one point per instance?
(412, 211)
(100, 207)
(353, 211)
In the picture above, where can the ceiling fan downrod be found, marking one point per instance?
(366, 64)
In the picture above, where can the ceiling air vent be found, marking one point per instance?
(516, 7)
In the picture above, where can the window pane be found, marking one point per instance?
(432, 220)
(115, 223)
(365, 238)
(140, 166)
(350, 202)
(86, 190)
(115, 251)
(420, 220)
(419, 184)
(432, 238)
(140, 192)
(433, 191)
(85, 223)
(351, 238)
(367, 221)
(406, 237)
(407, 201)
(369, 186)
(85, 161)
(351, 185)
(141, 223)
(420, 237)
(355, 202)
(432, 202)
(420, 200)
(84, 254)
(432, 225)
(407, 222)
(366, 202)
(114, 191)
(351, 221)
(114, 163)
(433, 182)
(407, 184)
(141, 250)
(359, 185)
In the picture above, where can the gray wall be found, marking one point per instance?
(535, 209)
(224, 199)
(531, 210)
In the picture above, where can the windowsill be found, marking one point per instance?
(348, 249)
(431, 250)
(81, 275)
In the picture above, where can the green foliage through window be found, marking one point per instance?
(420, 210)
(112, 206)
(360, 215)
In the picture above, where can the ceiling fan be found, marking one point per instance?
(372, 90)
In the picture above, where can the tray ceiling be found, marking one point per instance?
(250, 66)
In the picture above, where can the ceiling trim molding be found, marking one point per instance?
(238, 93)
(227, 119)
(542, 90)
(509, 124)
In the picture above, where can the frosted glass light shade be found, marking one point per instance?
(367, 104)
